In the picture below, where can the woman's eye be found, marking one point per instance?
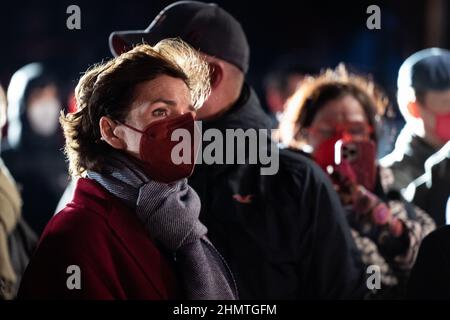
(356, 131)
(159, 112)
(359, 131)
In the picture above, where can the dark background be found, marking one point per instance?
(329, 31)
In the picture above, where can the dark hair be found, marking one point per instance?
(108, 90)
(420, 95)
(330, 85)
(287, 66)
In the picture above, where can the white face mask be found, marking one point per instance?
(43, 116)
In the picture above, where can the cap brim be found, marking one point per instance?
(122, 41)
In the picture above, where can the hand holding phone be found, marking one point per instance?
(360, 157)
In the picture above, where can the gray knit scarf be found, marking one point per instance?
(170, 214)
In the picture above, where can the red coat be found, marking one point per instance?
(116, 256)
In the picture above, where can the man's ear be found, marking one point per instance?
(413, 109)
(216, 74)
(107, 128)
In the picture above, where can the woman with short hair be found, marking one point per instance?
(132, 229)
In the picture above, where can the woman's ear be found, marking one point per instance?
(107, 129)
(216, 74)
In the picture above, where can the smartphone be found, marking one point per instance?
(361, 156)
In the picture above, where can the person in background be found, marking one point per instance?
(279, 232)
(285, 77)
(132, 228)
(33, 147)
(17, 240)
(424, 100)
(334, 117)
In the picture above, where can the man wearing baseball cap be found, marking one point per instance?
(424, 100)
(284, 235)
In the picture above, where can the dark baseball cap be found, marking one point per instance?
(205, 26)
(428, 69)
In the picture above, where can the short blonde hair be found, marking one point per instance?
(107, 89)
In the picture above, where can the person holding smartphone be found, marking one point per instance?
(334, 117)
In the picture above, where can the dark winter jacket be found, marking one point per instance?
(285, 236)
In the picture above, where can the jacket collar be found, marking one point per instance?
(125, 225)
(412, 146)
(246, 113)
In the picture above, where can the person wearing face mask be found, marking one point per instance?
(334, 117)
(263, 224)
(132, 228)
(424, 100)
(32, 150)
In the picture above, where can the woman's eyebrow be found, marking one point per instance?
(166, 101)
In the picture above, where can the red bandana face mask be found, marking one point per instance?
(323, 154)
(156, 148)
(442, 126)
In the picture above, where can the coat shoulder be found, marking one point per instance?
(302, 169)
(86, 215)
(73, 222)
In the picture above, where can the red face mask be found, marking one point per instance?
(442, 126)
(324, 153)
(156, 148)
